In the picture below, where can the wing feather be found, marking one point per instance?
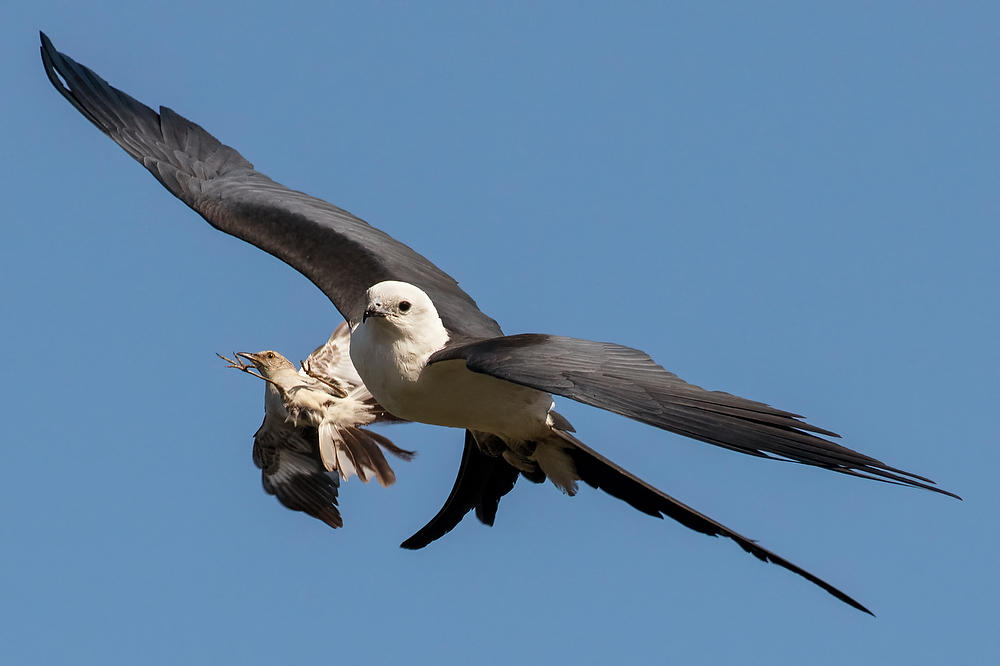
(331, 361)
(628, 382)
(340, 253)
(292, 472)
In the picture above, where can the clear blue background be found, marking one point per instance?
(792, 203)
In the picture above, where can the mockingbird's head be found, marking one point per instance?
(268, 362)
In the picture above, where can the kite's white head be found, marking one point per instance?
(404, 312)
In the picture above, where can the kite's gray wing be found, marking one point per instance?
(340, 253)
(628, 382)
(482, 481)
(291, 470)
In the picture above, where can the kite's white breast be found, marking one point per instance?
(445, 393)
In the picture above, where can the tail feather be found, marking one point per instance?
(387, 444)
(353, 451)
(369, 457)
(334, 451)
(483, 479)
(599, 472)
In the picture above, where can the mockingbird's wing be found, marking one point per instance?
(292, 471)
(335, 409)
(331, 364)
(628, 382)
(340, 253)
(331, 361)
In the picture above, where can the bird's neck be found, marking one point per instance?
(386, 357)
(273, 402)
(287, 377)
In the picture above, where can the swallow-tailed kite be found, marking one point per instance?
(344, 256)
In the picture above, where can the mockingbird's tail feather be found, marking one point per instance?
(387, 444)
(356, 451)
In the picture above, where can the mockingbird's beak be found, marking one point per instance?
(248, 356)
(374, 310)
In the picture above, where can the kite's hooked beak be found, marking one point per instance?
(374, 310)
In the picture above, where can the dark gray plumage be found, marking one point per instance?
(342, 254)
(598, 472)
(482, 480)
(292, 470)
(628, 382)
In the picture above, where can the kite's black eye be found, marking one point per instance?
(270, 354)
(404, 306)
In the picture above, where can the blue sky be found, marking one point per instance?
(795, 204)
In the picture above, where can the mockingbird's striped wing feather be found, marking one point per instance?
(628, 382)
(292, 464)
(292, 471)
(331, 364)
(340, 253)
(331, 361)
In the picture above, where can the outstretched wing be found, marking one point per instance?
(292, 472)
(331, 361)
(628, 382)
(340, 253)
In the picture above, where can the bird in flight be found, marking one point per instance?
(344, 256)
(310, 438)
